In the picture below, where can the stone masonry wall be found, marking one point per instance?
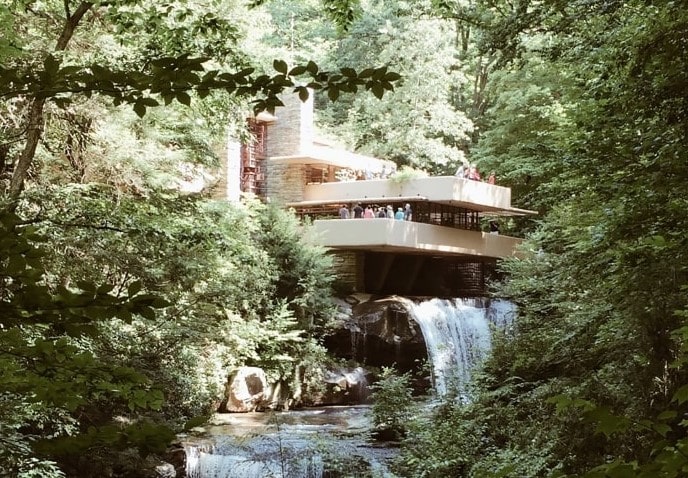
(292, 132)
(349, 267)
(286, 182)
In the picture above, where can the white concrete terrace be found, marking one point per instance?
(449, 190)
(390, 235)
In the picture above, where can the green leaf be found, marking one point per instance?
(378, 90)
(140, 109)
(147, 313)
(379, 73)
(312, 68)
(87, 286)
(99, 72)
(297, 70)
(368, 72)
(105, 288)
(245, 72)
(667, 415)
(303, 93)
(184, 98)
(160, 303)
(662, 428)
(134, 288)
(124, 315)
(280, 66)
(681, 395)
(607, 423)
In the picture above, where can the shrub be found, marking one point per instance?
(392, 404)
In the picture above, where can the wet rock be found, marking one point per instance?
(281, 396)
(165, 470)
(343, 311)
(344, 386)
(247, 390)
(380, 332)
(385, 434)
(176, 456)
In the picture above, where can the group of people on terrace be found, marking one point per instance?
(470, 171)
(375, 211)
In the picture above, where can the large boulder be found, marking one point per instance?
(247, 390)
(379, 333)
(343, 386)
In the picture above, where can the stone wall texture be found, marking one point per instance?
(349, 268)
(292, 133)
(285, 182)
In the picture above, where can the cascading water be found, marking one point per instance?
(458, 337)
(258, 457)
(309, 443)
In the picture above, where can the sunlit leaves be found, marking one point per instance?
(44, 329)
(177, 78)
(343, 12)
(417, 47)
(607, 289)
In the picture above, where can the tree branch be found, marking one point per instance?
(71, 24)
(35, 117)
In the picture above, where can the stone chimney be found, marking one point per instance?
(292, 133)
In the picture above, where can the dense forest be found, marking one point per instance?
(126, 294)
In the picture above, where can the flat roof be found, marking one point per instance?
(325, 155)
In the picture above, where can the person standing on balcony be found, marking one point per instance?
(462, 172)
(408, 214)
(358, 211)
(473, 174)
(390, 212)
(399, 216)
(492, 178)
(382, 213)
(343, 212)
(368, 213)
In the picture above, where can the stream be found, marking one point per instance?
(330, 442)
(323, 442)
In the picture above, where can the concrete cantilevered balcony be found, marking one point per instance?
(449, 190)
(389, 235)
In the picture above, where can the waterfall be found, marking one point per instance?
(261, 457)
(457, 335)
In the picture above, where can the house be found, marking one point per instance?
(441, 251)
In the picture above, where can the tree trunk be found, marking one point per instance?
(35, 116)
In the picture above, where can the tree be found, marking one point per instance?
(416, 125)
(46, 372)
(160, 71)
(588, 105)
(137, 289)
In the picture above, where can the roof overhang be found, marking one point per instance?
(326, 156)
(482, 209)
